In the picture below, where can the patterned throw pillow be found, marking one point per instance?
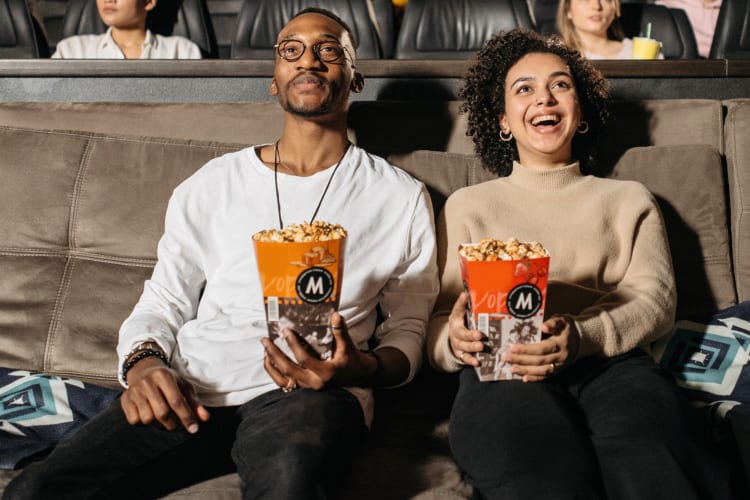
(709, 360)
(38, 410)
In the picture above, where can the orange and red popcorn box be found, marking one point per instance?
(507, 286)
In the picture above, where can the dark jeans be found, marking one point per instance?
(284, 446)
(616, 429)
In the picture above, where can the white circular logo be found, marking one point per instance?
(524, 301)
(314, 285)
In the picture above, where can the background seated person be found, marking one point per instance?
(126, 37)
(593, 28)
(703, 15)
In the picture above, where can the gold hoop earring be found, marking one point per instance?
(583, 127)
(506, 136)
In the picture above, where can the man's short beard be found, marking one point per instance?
(323, 109)
(305, 112)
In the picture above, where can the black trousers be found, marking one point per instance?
(284, 446)
(615, 429)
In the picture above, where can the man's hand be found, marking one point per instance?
(347, 367)
(156, 393)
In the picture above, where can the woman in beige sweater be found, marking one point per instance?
(590, 415)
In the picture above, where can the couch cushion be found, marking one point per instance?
(82, 214)
(688, 182)
(709, 359)
(667, 122)
(382, 127)
(442, 173)
(39, 410)
(737, 126)
(233, 122)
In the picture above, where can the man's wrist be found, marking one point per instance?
(376, 372)
(139, 353)
(142, 346)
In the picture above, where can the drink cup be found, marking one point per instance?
(645, 48)
(506, 303)
(301, 289)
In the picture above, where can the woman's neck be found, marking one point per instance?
(594, 43)
(130, 41)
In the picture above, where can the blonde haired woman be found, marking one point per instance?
(593, 28)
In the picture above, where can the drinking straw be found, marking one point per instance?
(648, 30)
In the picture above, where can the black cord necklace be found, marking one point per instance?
(277, 160)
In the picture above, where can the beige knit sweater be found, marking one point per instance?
(610, 266)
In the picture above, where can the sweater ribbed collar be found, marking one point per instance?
(545, 179)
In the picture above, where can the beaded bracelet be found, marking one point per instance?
(148, 344)
(145, 353)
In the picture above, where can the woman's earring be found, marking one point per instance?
(506, 136)
(583, 127)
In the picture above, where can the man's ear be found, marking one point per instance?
(150, 5)
(273, 89)
(358, 82)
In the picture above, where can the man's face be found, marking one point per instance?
(310, 87)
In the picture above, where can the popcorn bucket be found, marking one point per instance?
(301, 288)
(506, 303)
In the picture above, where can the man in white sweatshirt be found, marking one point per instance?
(206, 391)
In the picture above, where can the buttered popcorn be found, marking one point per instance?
(489, 249)
(299, 233)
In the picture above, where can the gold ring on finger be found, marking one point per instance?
(290, 386)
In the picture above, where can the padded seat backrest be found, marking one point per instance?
(738, 160)
(260, 21)
(224, 18)
(545, 12)
(456, 29)
(732, 33)
(21, 36)
(51, 14)
(187, 18)
(670, 26)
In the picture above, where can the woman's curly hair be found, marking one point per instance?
(483, 93)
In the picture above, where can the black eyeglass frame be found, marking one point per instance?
(316, 51)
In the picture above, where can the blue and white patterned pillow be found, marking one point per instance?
(38, 410)
(709, 360)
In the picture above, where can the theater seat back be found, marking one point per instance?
(20, 35)
(456, 29)
(732, 34)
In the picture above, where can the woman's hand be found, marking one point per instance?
(464, 343)
(542, 359)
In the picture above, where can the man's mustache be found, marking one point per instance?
(307, 77)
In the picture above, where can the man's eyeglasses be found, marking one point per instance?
(292, 50)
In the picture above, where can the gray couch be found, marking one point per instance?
(84, 188)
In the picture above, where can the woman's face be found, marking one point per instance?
(124, 14)
(592, 16)
(541, 110)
